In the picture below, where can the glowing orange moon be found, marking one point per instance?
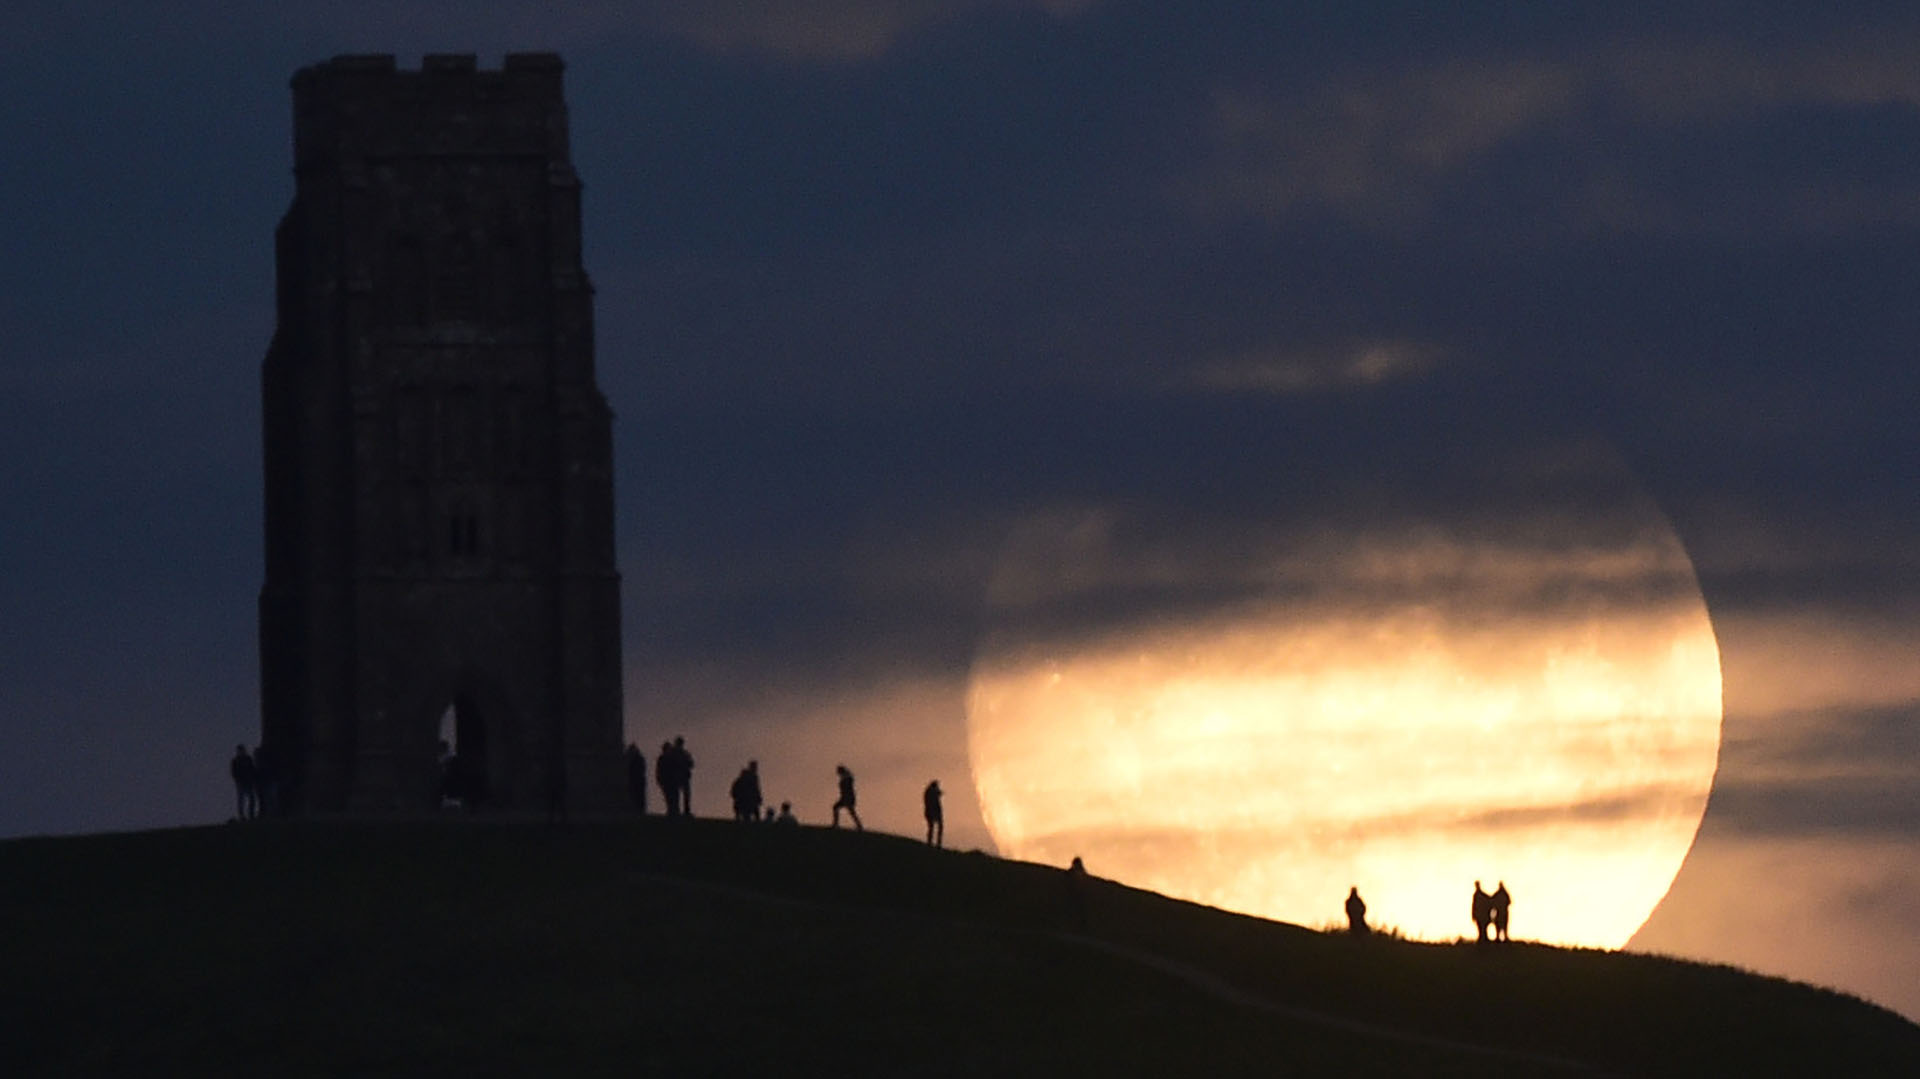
(1403, 711)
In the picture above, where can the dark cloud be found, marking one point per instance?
(1653, 802)
(1848, 771)
(1877, 806)
(955, 272)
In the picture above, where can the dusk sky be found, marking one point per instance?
(882, 283)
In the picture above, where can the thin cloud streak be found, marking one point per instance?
(826, 30)
(1655, 801)
(1372, 150)
(1369, 363)
(809, 31)
(1384, 149)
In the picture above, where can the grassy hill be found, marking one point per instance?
(475, 947)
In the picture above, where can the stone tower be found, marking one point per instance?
(439, 477)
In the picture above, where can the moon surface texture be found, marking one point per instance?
(1258, 716)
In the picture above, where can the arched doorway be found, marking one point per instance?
(464, 764)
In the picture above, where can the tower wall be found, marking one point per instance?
(439, 503)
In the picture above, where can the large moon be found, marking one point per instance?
(1259, 716)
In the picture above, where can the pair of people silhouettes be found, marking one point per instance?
(1490, 911)
(673, 772)
(256, 788)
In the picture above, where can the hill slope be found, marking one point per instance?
(488, 947)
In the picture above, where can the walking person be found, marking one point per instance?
(846, 799)
(936, 822)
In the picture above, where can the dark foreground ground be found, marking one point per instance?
(474, 947)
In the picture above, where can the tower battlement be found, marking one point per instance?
(366, 106)
(433, 63)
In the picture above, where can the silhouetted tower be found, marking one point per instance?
(439, 481)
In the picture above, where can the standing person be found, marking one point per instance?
(449, 775)
(1482, 910)
(683, 774)
(1077, 893)
(663, 768)
(846, 799)
(1498, 902)
(746, 793)
(936, 824)
(754, 798)
(246, 791)
(637, 777)
(1356, 912)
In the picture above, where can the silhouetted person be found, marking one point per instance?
(769, 817)
(1498, 903)
(663, 768)
(786, 817)
(1356, 912)
(846, 799)
(449, 774)
(266, 784)
(936, 823)
(1482, 910)
(246, 791)
(683, 774)
(746, 793)
(1077, 893)
(637, 777)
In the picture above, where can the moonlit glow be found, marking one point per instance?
(1429, 713)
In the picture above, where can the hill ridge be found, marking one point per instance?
(1199, 979)
(725, 949)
